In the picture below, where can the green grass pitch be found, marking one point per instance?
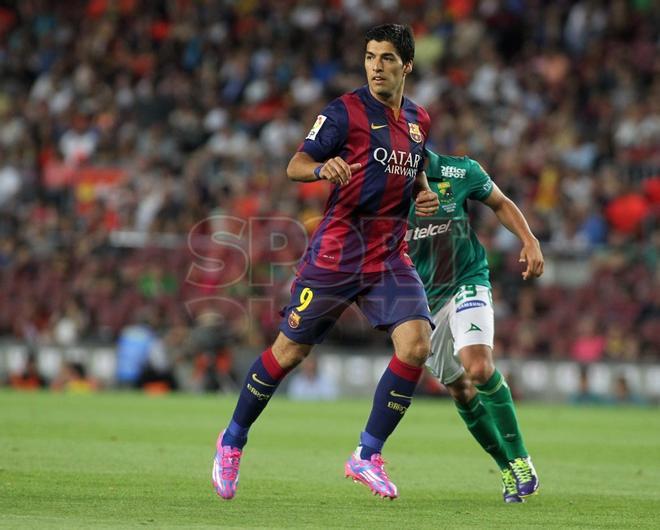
(128, 460)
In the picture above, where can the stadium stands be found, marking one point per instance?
(143, 147)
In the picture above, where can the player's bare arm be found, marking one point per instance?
(513, 219)
(426, 201)
(303, 168)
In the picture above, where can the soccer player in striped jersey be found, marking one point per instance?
(369, 144)
(453, 266)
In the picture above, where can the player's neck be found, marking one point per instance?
(394, 102)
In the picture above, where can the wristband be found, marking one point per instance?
(317, 172)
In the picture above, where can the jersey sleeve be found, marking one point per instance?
(431, 164)
(328, 134)
(425, 124)
(479, 181)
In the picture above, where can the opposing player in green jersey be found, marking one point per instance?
(453, 266)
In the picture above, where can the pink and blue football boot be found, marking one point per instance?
(371, 473)
(225, 469)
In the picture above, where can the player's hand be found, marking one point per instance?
(532, 255)
(338, 171)
(426, 203)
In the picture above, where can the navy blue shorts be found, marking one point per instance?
(319, 297)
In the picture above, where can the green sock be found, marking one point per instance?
(482, 427)
(496, 397)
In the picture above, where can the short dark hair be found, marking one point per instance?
(399, 35)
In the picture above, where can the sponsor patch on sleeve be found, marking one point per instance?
(320, 120)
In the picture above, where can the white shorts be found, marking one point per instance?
(465, 320)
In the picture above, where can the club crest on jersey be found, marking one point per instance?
(415, 132)
(446, 196)
(294, 320)
(320, 120)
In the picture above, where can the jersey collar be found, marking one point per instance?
(371, 99)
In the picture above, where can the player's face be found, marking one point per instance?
(385, 69)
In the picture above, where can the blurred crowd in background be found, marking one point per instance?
(143, 148)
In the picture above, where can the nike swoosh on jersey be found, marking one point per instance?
(257, 380)
(396, 394)
(376, 127)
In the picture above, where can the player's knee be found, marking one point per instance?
(480, 370)
(478, 362)
(416, 352)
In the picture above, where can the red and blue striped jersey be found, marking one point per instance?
(365, 221)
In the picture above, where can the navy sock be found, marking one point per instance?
(391, 400)
(260, 384)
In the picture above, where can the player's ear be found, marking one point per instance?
(407, 68)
